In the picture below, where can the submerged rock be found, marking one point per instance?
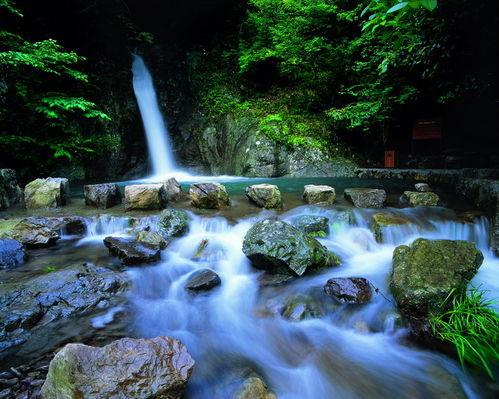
(12, 253)
(209, 195)
(422, 187)
(33, 232)
(264, 195)
(301, 307)
(312, 225)
(51, 192)
(203, 280)
(349, 289)
(173, 191)
(381, 221)
(132, 252)
(427, 271)
(320, 195)
(416, 198)
(152, 238)
(10, 192)
(60, 294)
(366, 197)
(145, 197)
(127, 368)
(280, 248)
(102, 195)
(173, 222)
(253, 387)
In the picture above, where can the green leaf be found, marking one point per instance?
(397, 7)
(429, 4)
(364, 11)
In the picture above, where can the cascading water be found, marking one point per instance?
(158, 142)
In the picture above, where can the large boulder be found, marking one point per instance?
(173, 191)
(102, 195)
(127, 368)
(264, 195)
(203, 280)
(173, 222)
(209, 195)
(312, 225)
(366, 197)
(56, 295)
(12, 253)
(132, 252)
(51, 192)
(32, 232)
(380, 222)
(320, 195)
(280, 248)
(349, 289)
(145, 197)
(10, 192)
(425, 273)
(417, 198)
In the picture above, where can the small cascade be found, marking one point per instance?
(102, 226)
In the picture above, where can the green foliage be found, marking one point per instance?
(472, 326)
(318, 234)
(49, 269)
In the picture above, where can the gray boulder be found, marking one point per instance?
(422, 187)
(425, 273)
(145, 197)
(173, 191)
(280, 248)
(366, 197)
(127, 368)
(349, 289)
(173, 222)
(10, 192)
(203, 280)
(102, 195)
(12, 253)
(416, 198)
(132, 252)
(312, 225)
(264, 195)
(51, 192)
(209, 195)
(320, 195)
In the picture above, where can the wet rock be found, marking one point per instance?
(366, 197)
(53, 296)
(273, 280)
(131, 252)
(422, 187)
(203, 280)
(32, 232)
(126, 368)
(312, 225)
(12, 253)
(209, 195)
(264, 195)
(10, 192)
(280, 248)
(320, 195)
(152, 238)
(173, 222)
(381, 221)
(349, 289)
(416, 198)
(173, 191)
(470, 216)
(425, 273)
(145, 197)
(301, 307)
(102, 195)
(51, 192)
(253, 387)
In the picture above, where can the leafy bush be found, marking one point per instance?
(472, 326)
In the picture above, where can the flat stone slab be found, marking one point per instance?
(382, 221)
(132, 252)
(315, 194)
(416, 198)
(366, 197)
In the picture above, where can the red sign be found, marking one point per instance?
(425, 129)
(390, 159)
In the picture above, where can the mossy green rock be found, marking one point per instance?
(51, 192)
(381, 221)
(280, 248)
(312, 225)
(417, 198)
(173, 222)
(152, 238)
(425, 273)
(264, 195)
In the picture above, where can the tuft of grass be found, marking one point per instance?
(49, 269)
(472, 326)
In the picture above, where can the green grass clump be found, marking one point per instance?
(472, 326)
(49, 269)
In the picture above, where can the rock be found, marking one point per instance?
(264, 195)
(202, 280)
(10, 192)
(422, 187)
(280, 248)
(173, 222)
(41, 300)
(301, 307)
(152, 238)
(254, 387)
(32, 232)
(209, 195)
(349, 289)
(201, 248)
(102, 195)
(12, 253)
(173, 191)
(366, 197)
(381, 221)
(321, 195)
(425, 273)
(470, 216)
(145, 197)
(312, 225)
(132, 252)
(416, 198)
(127, 368)
(51, 192)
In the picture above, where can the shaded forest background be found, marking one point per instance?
(330, 74)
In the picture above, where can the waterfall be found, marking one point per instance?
(158, 141)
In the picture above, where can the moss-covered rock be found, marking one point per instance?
(32, 232)
(264, 195)
(427, 272)
(381, 221)
(145, 197)
(417, 198)
(312, 225)
(51, 192)
(209, 195)
(366, 197)
(152, 238)
(320, 195)
(173, 222)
